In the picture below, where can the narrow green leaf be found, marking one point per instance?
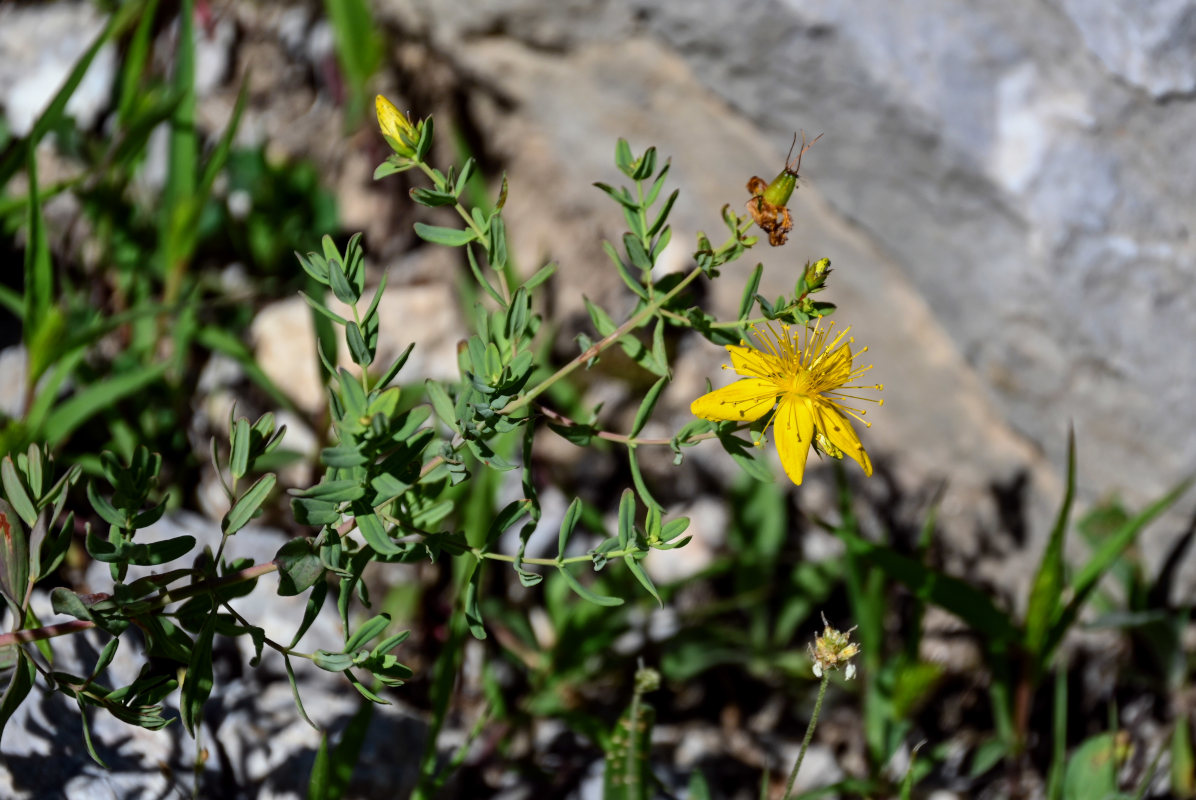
(197, 685)
(658, 223)
(962, 599)
(248, 504)
(637, 480)
(366, 632)
(1042, 605)
(442, 404)
(568, 524)
(472, 607)
(498, 245)
(339, 283)
(749, 292)
(449, 237)
(14, 559)
(586, 594)
(39, 271)
(238, 458)
(14, 490)
(636, 253)
(317, 783)
(373, 530)
(626, 519)
(1110, 550)
(642, 577)
(544, 273)
(96, 397)
(657, 185)
(624, 273)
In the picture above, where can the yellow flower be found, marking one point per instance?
(804, 379)
(397, 129)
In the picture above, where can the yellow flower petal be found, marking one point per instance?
(390, 120)
(749, 361)
(838, 429)
(745, 400)
(793, 431)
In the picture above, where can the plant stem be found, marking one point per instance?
(164, 599)
(634, 322)
(630, 441)
(549, 562)
(805, 744)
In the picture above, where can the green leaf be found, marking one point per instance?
(20, 683)
(299, 567)
(359, 49)
(432, 198)
(658, 223)
(544, 273)
(624, 160)
(1110, 550)
(197, 685)
(586, 594)
(366, 632)
(248, 504)
(568, 524)
(373, 530)
(449, 237)
(636, 252)
(14, 490)
(238, 457)
(64, 601)
(1092, 769)
(471, 606)
(338, 281)
(14, 559)
(97, 397)
(442, 404)
(626, 519)
(335, 768)
(630, 280)
(749, 292)
(962, 599)
(1183, 760)
(39, 271)
(1042, 606)
(642, 577)
(498, 244)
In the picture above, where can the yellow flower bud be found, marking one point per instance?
(398, 130)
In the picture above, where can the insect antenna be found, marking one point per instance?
(796, 168)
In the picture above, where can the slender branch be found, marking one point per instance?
(593, 350)
(46, 632)
(549, 562)
(805, 744)
(630, 441)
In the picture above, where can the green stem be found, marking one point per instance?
(549, 562)
(805, 744)
(164, 599)
(630, 441)
(593, 350)
(646, 312)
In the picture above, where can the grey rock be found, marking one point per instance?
(39, 45)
